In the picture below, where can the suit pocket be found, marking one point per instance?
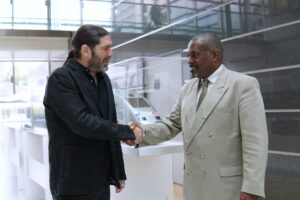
(231, 171)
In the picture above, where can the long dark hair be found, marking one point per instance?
(87, 34)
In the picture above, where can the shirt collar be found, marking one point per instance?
(214, 76)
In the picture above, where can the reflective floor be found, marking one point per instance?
(282, 180)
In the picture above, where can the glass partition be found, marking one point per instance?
(141, 87)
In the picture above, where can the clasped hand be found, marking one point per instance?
(135, 127)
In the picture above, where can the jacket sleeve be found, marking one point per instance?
(166, 129)
(64, 99)
(121, 167)
(254, 138)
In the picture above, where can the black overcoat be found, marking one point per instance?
(84, 146)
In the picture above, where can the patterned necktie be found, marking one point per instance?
(204, 87)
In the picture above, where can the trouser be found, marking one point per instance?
(102, 194)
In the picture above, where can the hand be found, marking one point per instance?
(247, 196)
(138, 134)
(122, 185)
(134, 125)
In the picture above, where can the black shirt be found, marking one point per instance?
(98, 89)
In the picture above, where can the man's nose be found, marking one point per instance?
(190, 60)
(110, 53)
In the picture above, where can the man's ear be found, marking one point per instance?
(85, 51)
(216, 55)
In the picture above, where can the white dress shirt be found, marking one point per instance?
(212, 79)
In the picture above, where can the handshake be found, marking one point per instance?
(138, 133)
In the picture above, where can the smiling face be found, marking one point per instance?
(100, 55)
(202, 60)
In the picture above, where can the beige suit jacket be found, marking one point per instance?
(225, 141)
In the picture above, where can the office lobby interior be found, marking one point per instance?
(261, 38)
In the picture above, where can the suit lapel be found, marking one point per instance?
(190, 103)
(208, 105)
(92, 94)
(110, 98)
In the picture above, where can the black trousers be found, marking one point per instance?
(103, 194)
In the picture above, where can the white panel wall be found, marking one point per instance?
(33, 43)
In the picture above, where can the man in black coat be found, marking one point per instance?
(84, 138)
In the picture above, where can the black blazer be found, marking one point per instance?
(84, 146)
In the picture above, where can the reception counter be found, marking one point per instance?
(149, 172)
(148, 169)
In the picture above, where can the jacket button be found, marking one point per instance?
(203, 173)
(202, 156)
(210, 134)
(188, 172)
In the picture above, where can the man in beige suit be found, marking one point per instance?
(225, 138)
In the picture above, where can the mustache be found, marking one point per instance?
(192, 67)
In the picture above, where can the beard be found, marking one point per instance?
(95, 64)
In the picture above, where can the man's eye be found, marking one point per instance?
(107, 48)
(193, 55)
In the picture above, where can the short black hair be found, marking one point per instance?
(211, 40)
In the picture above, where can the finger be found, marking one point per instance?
(122, 185)
(129, 142)
(118, 190)
(132, 125)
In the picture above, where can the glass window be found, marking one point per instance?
(6, 76)
(30, 14)
(5, 14)
(129, 21)
(30, 76)
(95, 12)
(65, 15)
(57, 59)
